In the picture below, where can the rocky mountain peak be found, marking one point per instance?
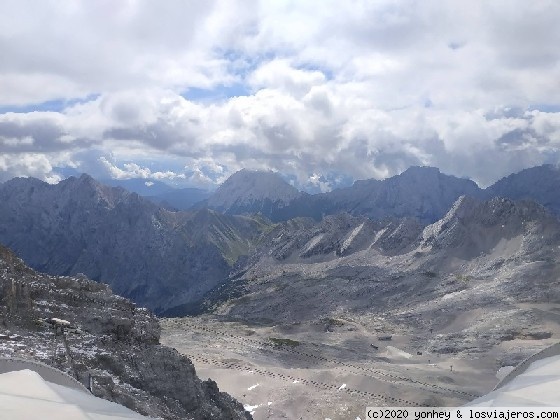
(539, 183)
(248, 189)
(430, 177)
(420, 171)
(476, 226)
(88, 191)
(420, 192)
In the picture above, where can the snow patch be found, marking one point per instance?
(348, 241)
(452, 295)
(377, 236)
(252, 387)
(312, 242)
(250, 408)
(342, 387)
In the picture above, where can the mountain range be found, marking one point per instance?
(156, 257)
(483, 274)
(423, 193)
(171, 260)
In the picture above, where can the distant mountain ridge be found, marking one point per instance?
(423, 193)
(161, 193)
(141, 186)
(253, 192)
(168, 260)
(540, 184)
(420, 192)
(180, 198)
(158, 258)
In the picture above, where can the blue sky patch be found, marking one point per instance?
(55, 105)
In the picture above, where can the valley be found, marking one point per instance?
(217, 210)
(329, 368)
(331, 317)
(314, 317)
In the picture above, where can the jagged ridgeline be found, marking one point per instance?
(158, 258)
(495, 255)
(109, 338)
(169, 261)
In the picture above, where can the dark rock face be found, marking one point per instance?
(540, 184)
(161, 259)
(116, 342)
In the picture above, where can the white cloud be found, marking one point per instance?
(133, 170)
(358, 88)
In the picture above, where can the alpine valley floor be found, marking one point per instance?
(330, 369)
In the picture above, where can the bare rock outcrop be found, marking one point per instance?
(109, 339)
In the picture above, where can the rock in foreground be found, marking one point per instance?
(109, 339)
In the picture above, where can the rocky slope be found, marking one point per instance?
(423, 193)
(110, 338)
(490, 264)
(419, 192)
(158, 258)
(539, 184)
(253, 192)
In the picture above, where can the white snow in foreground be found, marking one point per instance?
(295, 381)
(26, 395)
(536, 386)
(342, 387)
(250, 408)
(252, 387)
(270, 403)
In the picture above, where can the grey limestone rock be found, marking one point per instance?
(110, 339)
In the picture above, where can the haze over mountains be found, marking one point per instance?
(421, 192)
(156, 257)
(168, 260)
(449, 269)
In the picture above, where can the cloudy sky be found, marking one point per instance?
(324, 92)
